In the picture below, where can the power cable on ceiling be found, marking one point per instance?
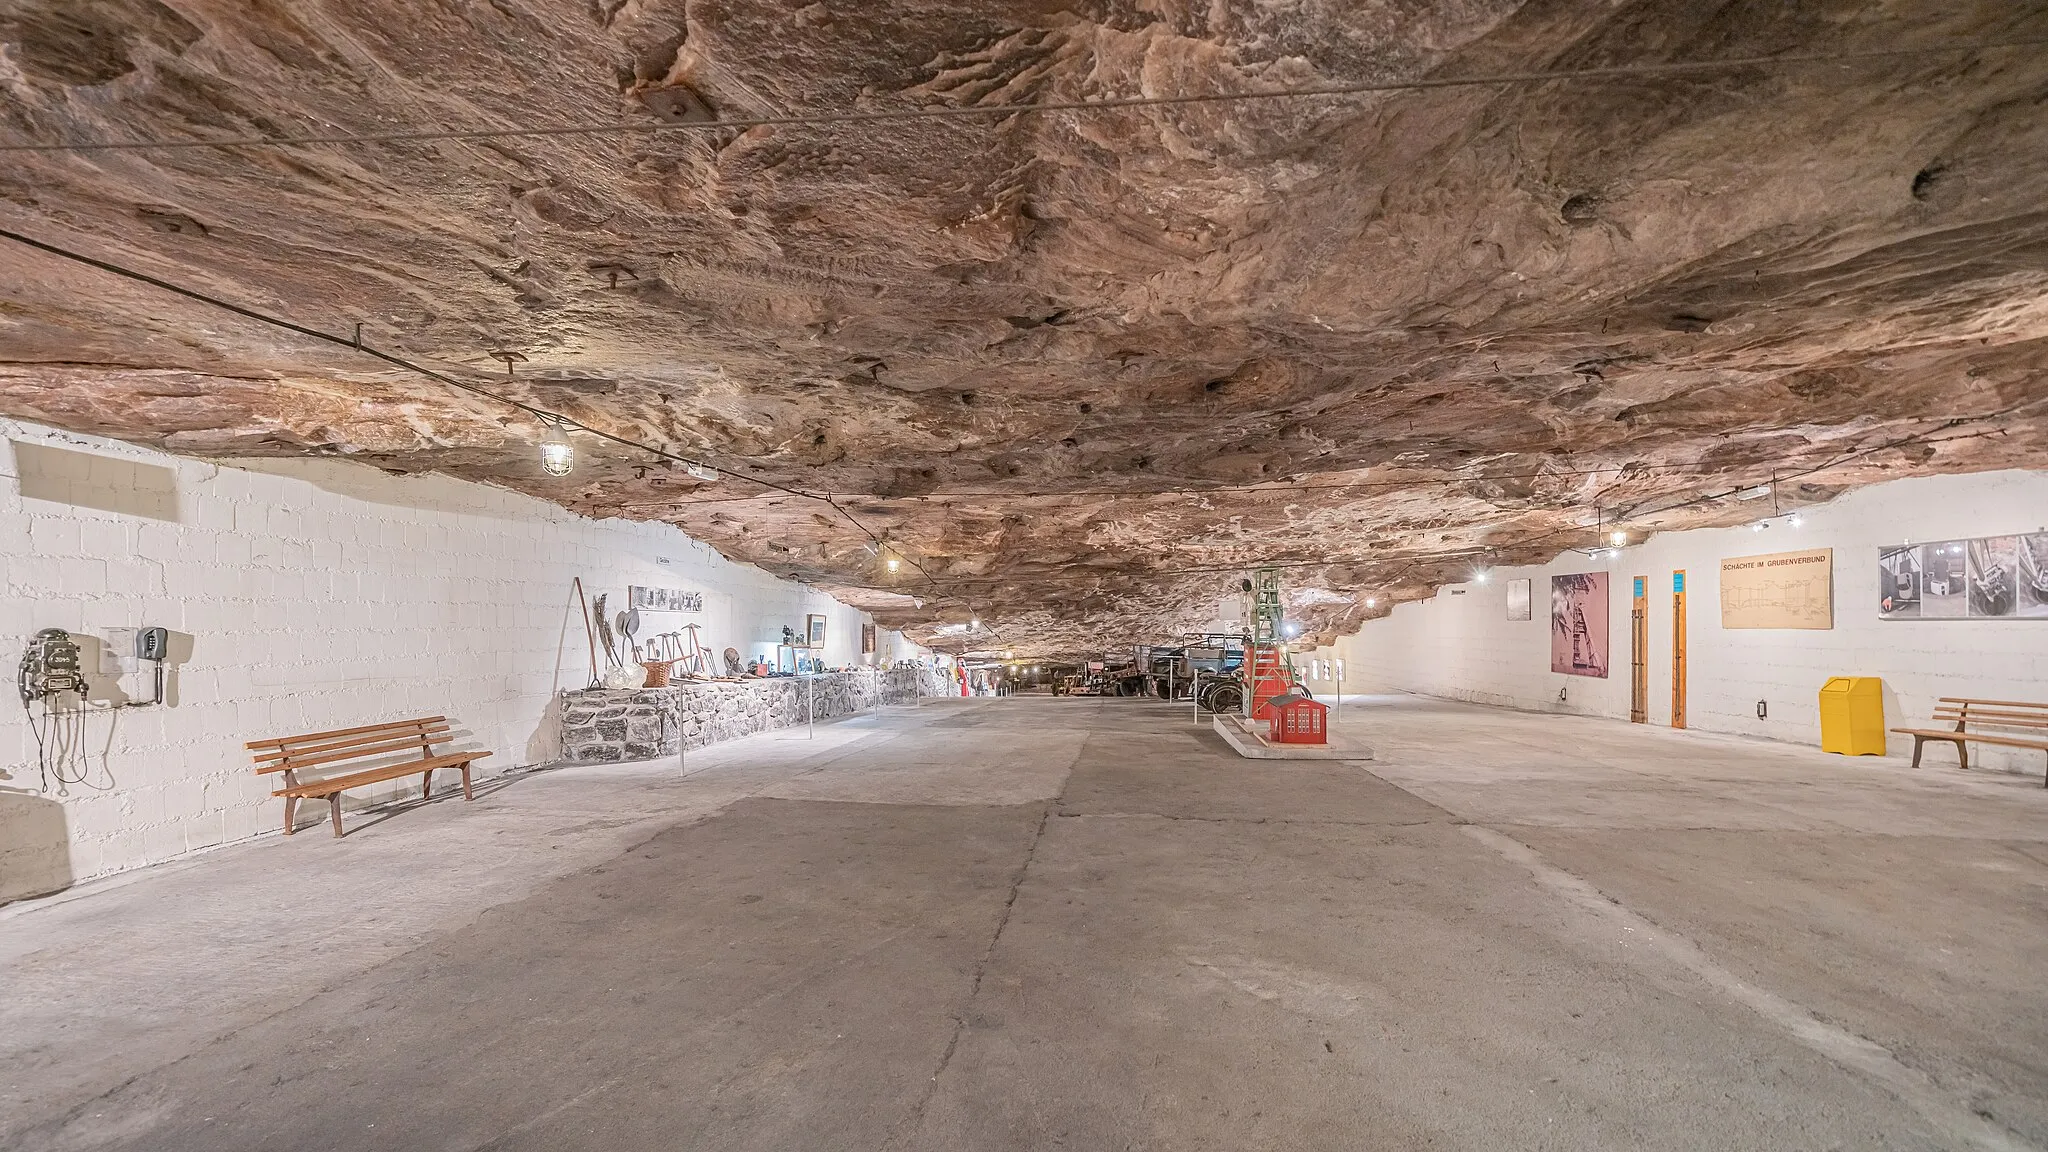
(955, 112)
(356, 344)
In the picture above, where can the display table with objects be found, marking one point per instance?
(617, 725)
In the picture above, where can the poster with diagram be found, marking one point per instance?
(1578, 624)
(1984, 578)
(1779, 590)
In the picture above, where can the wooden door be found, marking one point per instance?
(1678, 649)
(1639, 654)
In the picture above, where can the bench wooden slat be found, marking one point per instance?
(319, 788)
(292, 754)
(2019, 719)
(362, 753)
(1994, 719)
(1974, 737)
(435, 733)
(283, 740)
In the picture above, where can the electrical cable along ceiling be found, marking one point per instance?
(1047, 317)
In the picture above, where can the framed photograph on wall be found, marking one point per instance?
(1944, 580)
(867, 638)
(1898, 583)
(648, 599)
(1979, 578)
(1519, 607)
(1994, 562)
(814, 630)
(1578, 624)
(2031, 598)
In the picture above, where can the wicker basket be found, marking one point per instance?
(657, 672)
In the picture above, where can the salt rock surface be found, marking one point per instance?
(1076, 369)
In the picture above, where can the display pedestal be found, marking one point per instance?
(1249, 738)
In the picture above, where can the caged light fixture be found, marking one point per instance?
(557, 455)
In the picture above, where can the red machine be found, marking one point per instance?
(1268, 671)
(1295, 719)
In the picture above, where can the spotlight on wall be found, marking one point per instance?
(1291, 629)
(704, 472)
(1794, 520)
(892, 563)
(1479, 576)
(557, 455)
(1618, 539)
(1759, 526)
(974, 624)
(1372, 602)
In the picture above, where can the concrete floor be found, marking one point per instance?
(1034, 923)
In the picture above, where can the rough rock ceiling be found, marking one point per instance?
(1077, 367)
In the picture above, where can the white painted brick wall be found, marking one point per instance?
(1464, 647)
(315, 595)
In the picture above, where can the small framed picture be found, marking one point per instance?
(814, 630)
(867, 638)
(1519, 607)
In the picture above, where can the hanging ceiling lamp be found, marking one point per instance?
(557, 455)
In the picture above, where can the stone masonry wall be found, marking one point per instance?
(603, 726)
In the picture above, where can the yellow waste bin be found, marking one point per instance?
(1852, 716)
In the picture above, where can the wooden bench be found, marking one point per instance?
(2026, 726)
(292, 755)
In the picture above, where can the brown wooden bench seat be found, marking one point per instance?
(346, 747)
(2022, 724)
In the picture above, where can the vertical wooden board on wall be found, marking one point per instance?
(1678, 649)
(1639, 654)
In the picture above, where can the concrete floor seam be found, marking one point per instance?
(1955, 1120)
(1252, 820)
(910, 1123)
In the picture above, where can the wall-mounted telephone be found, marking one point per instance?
(49, 668)
(125, 648)
(51, 676)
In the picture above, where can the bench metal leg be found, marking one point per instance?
(334, 811)
(465, 781)
(427, 784)
(291, 809)
(1919, 743)
(1962, 754)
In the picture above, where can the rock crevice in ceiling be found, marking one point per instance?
(1079, 367)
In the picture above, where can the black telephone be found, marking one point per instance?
(49, 667)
